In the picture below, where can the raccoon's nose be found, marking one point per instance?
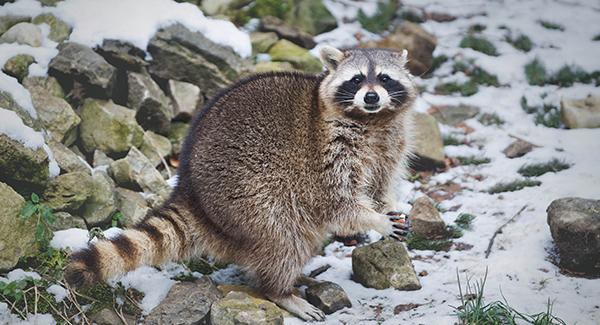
(371, 97)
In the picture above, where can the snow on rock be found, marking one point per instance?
(19, 274)
(154, 284)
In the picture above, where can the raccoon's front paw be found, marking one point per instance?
(394, 225)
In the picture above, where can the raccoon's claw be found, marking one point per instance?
(400, 225)
(300, 307)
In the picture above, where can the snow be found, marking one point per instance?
(19, 274)
(58, 292)
(75, 238)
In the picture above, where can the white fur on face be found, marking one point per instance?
(384, 98)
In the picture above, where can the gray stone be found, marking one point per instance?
(108, 316)
(454, 114)
(425, 219)
(7, 102)
(102, 202)
(65, 220)
(67, 160)
(6, 22)
(186, 98)
(213, 7)
(108, 127)
(384, 264)
(186, 303)
(22, 167)
(153, 110)
(68, 192)
(262, 42)
(328, 296)
(132, 205)
(517, 148)
(299, 57)
(575, 227)
(59, 30)
(135, 171)
(177, 134)
(18, 66)
(123, 55)
(273, 66)
(429, 146)
(241, 308)
(183, 55)
(23, 33)
(310, 16)
(155, 147)
(16, 234)
(581, 113)
(56, 116)
(101, 159)
(292, 34)
(80, 63)
(47, 84)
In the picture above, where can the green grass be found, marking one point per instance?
(477, 74)
(475, 310)
(477, 28)
(596, 38)
(464, 221)
(535, 71)
(473, 160)
(538, 169)
(466, 89)
(551, 25)
(479, 44)
(418, 242)
(451, 140)
(566, 76)
(513, 186)
(437, 62)
(522, 42)
(488, 119)
(381, 20)
(276, 8)
(44, 218)
(547, 114)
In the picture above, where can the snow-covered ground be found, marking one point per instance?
(518, 267)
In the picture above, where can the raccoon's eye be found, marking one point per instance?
(357, 79)
(384, 78)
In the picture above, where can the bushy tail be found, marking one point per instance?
(160, 237)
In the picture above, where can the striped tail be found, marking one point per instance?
(159, 238)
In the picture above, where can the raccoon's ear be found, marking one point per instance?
(402, 56)
(331, 57)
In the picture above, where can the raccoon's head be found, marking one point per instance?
(364, 83)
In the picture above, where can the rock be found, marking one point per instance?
(22, 167)
(6, 22)
(101, 159)
(18, 66)
(132, 205)
(300, 58)
(575, 227)
(155, 147)
(582, 113)
(108, 316)
(384, 264)
(67, 160)
(311, 16)
(262, 42)
(154, 111)
(517, 148)
(56, 116)
(412, 37)
(123, 55)
(68, 191)
(227, 288)
(183, 55)
(23, 33)
(135, 172)
(453, 115)
(177, 133)
(65, 220)
(186, 99)
(425, 219)
(102, 202)
(59, 30)
(429, 146)
(186, 303)
(108, 127)
(16, 234)
(328, 296)
(241, 308)
(273, 66)
(275, 25)
(213, 7)
(47, 84)
(80, 63)
(7, 102)
(49, 3)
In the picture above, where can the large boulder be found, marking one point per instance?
(384, 264)
(187, 303)
(132, 205)
(59, 30)
(123, 55)
(327, 296)
(241, 308)
(299, 57)
(429, 146)
(280, 29)
(21, 166)
(23, 33)
(310, 16)
(425, 219)
(8, 102)
(136, 172)
(47, 84)
(453, 115)
(575, 227)
(18, 66)
(153, 109)
(581, 113)
(412, 37)
(69, 191)
(9, 21)
(109, 127)
(186, 98)
(65, 220)
(102, 201)
(155, 147)
(183, 55)
(16, 234)
(67, 160)
(262, 42)
(56, 116)
(80, 63)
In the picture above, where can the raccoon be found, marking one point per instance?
(270, 167)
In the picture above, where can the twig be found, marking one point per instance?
(56, 310)
(119, 313)
(12, 306)
(499, 231)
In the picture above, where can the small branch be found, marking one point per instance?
(499, 231)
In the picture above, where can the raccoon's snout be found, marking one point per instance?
(371, 98)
